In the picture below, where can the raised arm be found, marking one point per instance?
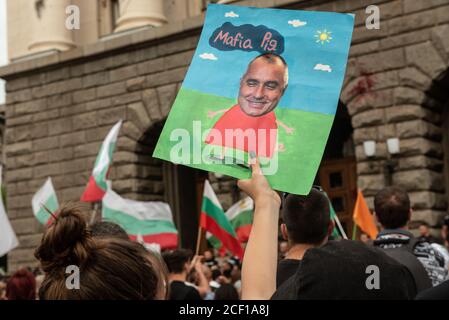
(260, 260)
(203, 285)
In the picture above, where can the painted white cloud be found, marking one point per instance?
(231, 14)
(297, 23)
(208, 56)
(323, 67)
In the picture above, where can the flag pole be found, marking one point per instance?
(340, 228)
(94, 214)
(354, 231)
(198, 241)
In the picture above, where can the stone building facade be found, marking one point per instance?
(60, 106)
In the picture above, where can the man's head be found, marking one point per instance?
(364, 238)
(208, 255)
(108, 229)
(177, 261)
(392, 207)
(263, 84)
(424, 229)
(306, 218)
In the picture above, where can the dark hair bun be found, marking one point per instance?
(67, 240)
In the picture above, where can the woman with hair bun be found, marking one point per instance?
(109, 267)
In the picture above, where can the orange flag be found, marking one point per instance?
(363, 217)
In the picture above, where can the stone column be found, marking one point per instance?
(138, 13)
(48, 26)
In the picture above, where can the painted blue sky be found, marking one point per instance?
(309, 89)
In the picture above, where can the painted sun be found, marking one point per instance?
(323, 36)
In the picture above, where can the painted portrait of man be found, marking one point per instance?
(261, 88)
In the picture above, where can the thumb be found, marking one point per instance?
(244, 184)
(254, 163)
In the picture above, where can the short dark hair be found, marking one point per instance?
(307, 218)
(392, 207)
(226, 292)
(176, 259)
(215, 274)
(425, 224)
(272, 58)
(108, 229)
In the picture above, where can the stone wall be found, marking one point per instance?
(396, 86)
(58, 118)
(60, 107)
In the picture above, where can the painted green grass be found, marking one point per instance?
(296, 166)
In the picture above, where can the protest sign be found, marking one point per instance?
(262, 81)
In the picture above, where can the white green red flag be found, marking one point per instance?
(8, 238)
(155, 247)
(97, 185)
(241, 217)
(45, 198)
(214, 220)
(146, 222)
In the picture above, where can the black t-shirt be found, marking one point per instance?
(180, 291)
(440, 292)
(286, 269)
(339, 270)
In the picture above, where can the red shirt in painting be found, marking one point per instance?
(253, 132)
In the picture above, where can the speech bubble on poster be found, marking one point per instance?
(264, 82)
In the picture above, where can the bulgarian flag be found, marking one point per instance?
(214, 220)
(240, 215)
(215, 243)
(338, 231)
(155, 247)
(146, 222)
(97, 185)
(8, 238)
(45, 198)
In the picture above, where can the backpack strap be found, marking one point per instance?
(405, 255)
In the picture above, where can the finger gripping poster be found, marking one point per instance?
(263, 82)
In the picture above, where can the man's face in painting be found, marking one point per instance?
(262, 86)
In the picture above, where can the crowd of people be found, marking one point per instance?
(306, 264)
